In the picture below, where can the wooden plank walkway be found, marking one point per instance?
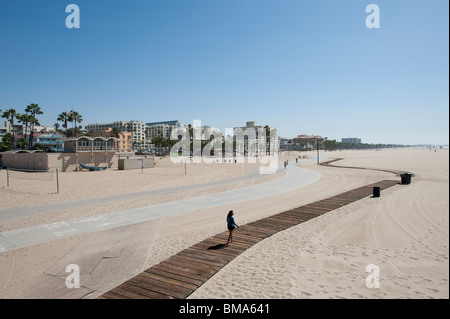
(180, 275)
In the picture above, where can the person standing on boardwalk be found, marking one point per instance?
(231, 226)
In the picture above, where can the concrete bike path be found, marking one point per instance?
(13, 213)
(295, 178)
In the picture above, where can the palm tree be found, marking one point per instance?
(33, 123)
(25, 119)
(75, 117)
(115, 131)
(159, 142)
(63, 117)
(34, 110)
(267, 131)
(10, 115)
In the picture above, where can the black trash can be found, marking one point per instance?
(406, 178)
(376, 191)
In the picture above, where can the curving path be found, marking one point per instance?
(295, 178)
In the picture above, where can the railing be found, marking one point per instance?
(96, 149)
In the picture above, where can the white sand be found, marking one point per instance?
(405, 233)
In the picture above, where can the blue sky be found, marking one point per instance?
(308, 67)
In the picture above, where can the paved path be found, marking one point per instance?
(295, 178)
(12, 213)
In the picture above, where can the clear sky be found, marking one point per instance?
(308, 67)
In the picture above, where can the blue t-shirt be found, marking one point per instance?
(230, 221)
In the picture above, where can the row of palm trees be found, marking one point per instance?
(29, 121)
(66, 118)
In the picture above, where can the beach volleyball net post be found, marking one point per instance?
(37, 176)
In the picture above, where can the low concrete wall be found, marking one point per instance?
(135, 163)
(31, 161)
(61, 161)
(70, 161)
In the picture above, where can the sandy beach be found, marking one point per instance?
(404, 233)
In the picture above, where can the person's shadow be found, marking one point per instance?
(216, 247)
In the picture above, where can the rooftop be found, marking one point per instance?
(164, 122)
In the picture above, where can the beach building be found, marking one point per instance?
(54, 142)
(205, 133)
(8, 128)
(351, 140)
(137, 129)
(163, 129)
(307, 141)
(287, 144)
(124, 142)
(97, 151)
(251, 145)
(89, 144)
(4, 130)
(43, 129)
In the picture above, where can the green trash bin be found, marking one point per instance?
(406, 178)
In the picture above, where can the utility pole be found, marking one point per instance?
(317, 146)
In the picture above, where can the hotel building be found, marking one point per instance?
(137, 129)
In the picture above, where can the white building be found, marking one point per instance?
(351, 140)
(6, 128)
(252, 139)
(163, 129)
(137, 127)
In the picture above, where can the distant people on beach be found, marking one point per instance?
(285, 164)
(231, 226)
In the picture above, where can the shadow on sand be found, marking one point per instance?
(216, 247)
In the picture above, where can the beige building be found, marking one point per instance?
(124, 139)
(137, 129)
(125, 142)
(307, 141)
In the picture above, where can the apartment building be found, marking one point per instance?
(255, 140)
(163, 129)
(125, 141)
(6, 128)
(351, 140)
(55, 142)
(137, 129)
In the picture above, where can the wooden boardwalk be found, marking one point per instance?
(180, 275)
